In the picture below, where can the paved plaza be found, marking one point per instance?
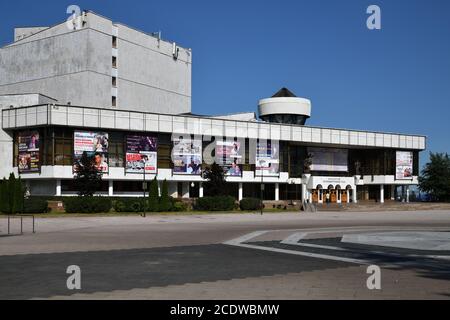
(230, 256)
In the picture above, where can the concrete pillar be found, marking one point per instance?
(407, 193)
(348, 196)
(241, 191)
(58, 187)
(392, 192)
(185, 190)
(200, 190)
(309, 193)
(277, 192)
(382, 193)
(111, 188)
(354, 195)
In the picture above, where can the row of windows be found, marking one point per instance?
(57, 149)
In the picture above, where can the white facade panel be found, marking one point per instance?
(205, 127)
(151, 122)
(275, 132)
(165, 123)
(91, 118)
(326, 136)
(285, 133)
(136, 121)
(107, 119)
(217, 128)
(316, 135)
(122, 120)
(75, 117)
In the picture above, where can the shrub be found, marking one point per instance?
(165, 203)
(179, 206)
(250, 204)
(11, 195)
(153, 197)
(218, 203)
(87, 205)
(128, 205)
(33, 205)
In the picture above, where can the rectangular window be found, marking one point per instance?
(116, 150)
(114, 82)
(114, 62)
(114, 101)
(63, 153)
(114, 42)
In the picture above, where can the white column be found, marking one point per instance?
(58, 187)
(354, 195)
(309, 193)
(392, 192)
(348, 196)
(200, 190)
(111, 188)
(241, 191)
(277, 192)
(407, 193)
(382, 193)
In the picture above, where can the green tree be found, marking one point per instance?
(153, 196)
(87, 177)
(215, 183)
(435, 177)
(164, 202)
(12, 193)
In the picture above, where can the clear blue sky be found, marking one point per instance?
(396, 79)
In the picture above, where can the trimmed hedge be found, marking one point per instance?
(35, 205)
(219, 203)
(87, 205)
(248, 204)
(128, 205)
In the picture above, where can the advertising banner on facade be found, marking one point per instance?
(329, 159)
(267, 162)
(404, 165)
(229, 156)
(187, 156)
(95, 144)
(141, 154)
(28, 157)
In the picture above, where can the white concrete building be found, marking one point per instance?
(124, 98)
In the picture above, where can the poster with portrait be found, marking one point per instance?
(95, 145)
(229, 157)
(28, 156)
(404, 165)
(267, 161)
(187, 156)
(141, 154)
(329, 159)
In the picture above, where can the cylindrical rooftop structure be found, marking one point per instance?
(285, 107)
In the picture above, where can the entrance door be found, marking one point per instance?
(315, 196)
(333, 197)
(343, 196)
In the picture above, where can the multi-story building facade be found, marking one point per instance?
(123, 97)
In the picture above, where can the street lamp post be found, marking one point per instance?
(261, 171)
(144, 187)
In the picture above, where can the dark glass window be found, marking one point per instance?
(116, 149)
(63, 153)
